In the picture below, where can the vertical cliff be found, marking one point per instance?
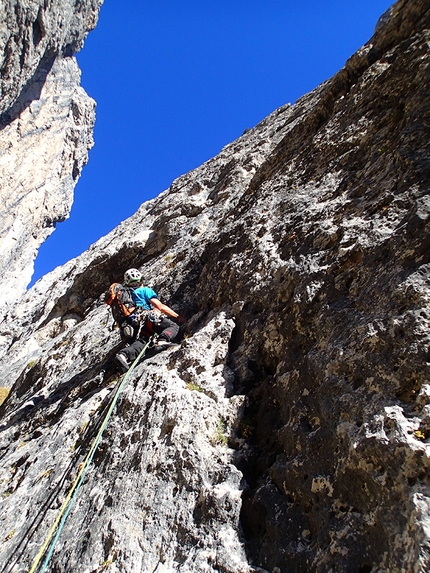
(288, 431)
(46, 125)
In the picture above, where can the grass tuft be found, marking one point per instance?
(220, 438)
(195, 387)
(4, 393)
(9, 536)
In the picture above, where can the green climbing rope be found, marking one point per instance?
(72, 495)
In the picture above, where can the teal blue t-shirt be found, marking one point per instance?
(142, 295)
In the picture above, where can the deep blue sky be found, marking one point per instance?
(176, 80)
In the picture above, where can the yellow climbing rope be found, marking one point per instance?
(68, 502)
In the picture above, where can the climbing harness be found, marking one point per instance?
(154, 317)
(72, 495)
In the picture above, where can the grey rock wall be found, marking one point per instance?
(44, 150)
(46, 125)
(289, 429)
(32, 31)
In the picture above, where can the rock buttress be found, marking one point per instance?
(46, 125)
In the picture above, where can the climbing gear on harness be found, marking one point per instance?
(128, 331)
(132, 276)
(72, 495)
(152, 316)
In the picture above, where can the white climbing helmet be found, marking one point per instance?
(132, 276)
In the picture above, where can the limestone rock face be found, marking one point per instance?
(46, 125)
(32, 31)
(289, 428)
(44, 150)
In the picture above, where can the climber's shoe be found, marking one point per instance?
(159, 346)
(122, 362)
(162, 343)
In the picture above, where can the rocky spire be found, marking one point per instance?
(288, 431)
(46, 126)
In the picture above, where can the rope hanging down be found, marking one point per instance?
(72, 495)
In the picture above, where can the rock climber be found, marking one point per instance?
(155, 317)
